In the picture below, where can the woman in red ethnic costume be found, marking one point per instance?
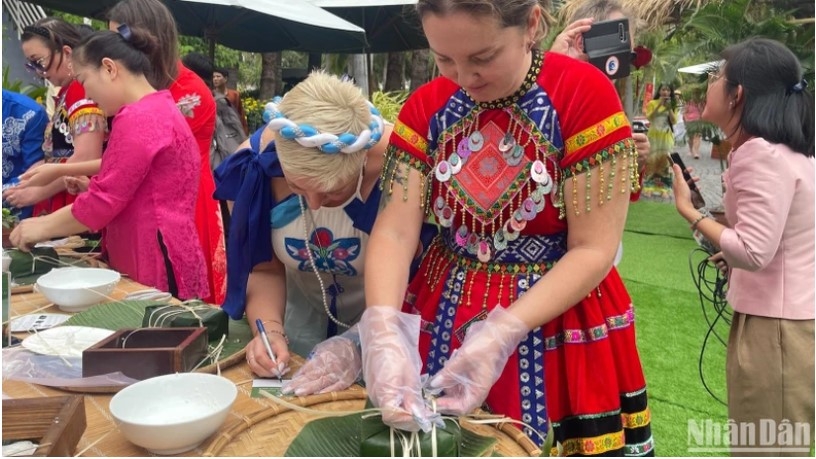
(77, 129)
(526, 162)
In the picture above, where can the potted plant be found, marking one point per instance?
(10, 220)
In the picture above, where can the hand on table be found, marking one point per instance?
(472, 370)
(334, 365)
(259, 361)
(391, 367)
(28, 232)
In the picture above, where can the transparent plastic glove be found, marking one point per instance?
(391, 367)
(334, 365)
(472, 370)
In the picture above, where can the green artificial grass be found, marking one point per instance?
(671, 326)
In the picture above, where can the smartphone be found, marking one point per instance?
(609, 47)
(696, 196)
(639, 126)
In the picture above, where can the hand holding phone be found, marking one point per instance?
(696, 196)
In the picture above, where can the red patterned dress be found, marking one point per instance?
(74, 115)
(494, 176)
(196, 103)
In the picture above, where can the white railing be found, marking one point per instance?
(23, 14)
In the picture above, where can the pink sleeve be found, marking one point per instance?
(125, 164)
(763, 192)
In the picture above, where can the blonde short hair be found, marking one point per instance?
(331, 106)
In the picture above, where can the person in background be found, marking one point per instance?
(541, 335)
(759, 99)
(194, 98)
(581, 15)
(691, 116)
(196, 103)
(77, 130)
(662, 114)
(303, 274)
(148, 227)
(24, 122)
(220, 78)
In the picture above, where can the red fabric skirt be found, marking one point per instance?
(581, 371)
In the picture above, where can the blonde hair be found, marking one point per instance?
(331, 106)
(509, 13)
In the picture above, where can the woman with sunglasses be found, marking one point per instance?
(77, 129)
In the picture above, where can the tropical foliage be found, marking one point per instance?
(35, 92)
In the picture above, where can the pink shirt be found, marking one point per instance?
(769, 202)
(146, 190)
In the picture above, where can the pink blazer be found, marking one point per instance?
(769, 202)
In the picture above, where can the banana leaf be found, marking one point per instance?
(27, 267)
(342, 437)
(129, 314)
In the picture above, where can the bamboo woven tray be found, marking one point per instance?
(270, 431)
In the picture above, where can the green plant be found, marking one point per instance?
(35, 92)
(10, 219)
(389, 103)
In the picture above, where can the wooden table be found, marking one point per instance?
(253, 427)
(102, 438)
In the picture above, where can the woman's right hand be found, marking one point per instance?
(76, 185)
(392, 366)
(258, 358)
(570, 40)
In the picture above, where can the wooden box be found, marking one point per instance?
(142, 353)
(55, 423)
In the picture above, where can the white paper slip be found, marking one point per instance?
(271, 386)
(37, 322)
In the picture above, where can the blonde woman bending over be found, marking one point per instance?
(306, 193)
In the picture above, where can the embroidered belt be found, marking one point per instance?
(537, 249)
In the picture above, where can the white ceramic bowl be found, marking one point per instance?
(175, 413)
(77, 289)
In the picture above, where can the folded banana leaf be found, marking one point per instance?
(377, 440)
(169, 315)
(38, 261)
(342, 436)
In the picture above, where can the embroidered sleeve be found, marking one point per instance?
(83, 114)
(598, 137)
(409, 148)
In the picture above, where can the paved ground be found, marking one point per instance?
(710, 172)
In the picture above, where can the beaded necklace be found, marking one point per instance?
(314, 265)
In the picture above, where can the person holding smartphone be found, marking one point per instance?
(580, 16)
(760, 100)
(662, 114)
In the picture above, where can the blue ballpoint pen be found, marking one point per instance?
(262, 331)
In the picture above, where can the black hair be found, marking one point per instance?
(55, 33)
(222, 71)
(200, 65)
(778, 107)
(85, 30)
(132, 52)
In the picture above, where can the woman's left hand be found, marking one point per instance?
(472, 370)
(41, 175)
(29, 232)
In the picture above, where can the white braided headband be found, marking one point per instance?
(308, 136)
